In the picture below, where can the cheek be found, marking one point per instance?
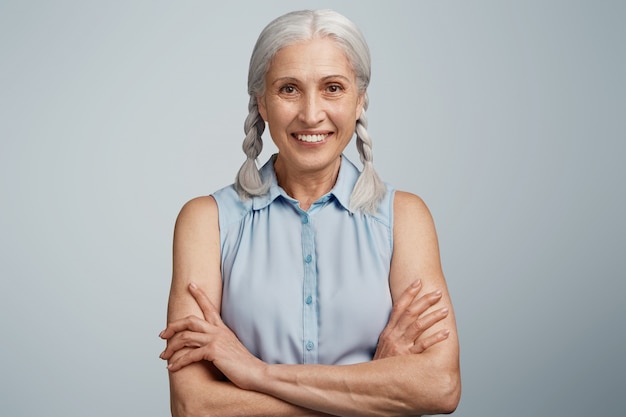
(281, 114)
(346, 115)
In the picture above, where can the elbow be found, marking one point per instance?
(193, 406)
(441, 397)
(185, 406)
(180, 409)
(188, 397)
(448, 393)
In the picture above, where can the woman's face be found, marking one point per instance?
(311, 104)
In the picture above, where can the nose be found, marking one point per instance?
(312, 110)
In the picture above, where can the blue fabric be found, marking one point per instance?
(305, 287)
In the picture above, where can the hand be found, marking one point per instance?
(210, 340)
(408, 322)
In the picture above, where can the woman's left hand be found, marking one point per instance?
(210, 340)
(408, 322)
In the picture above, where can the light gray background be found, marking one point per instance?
(506, 117)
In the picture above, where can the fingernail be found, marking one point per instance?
(193, 285)
(161, 334)
(437, 293)
(416, 284)
(444, 311)
(161, 355)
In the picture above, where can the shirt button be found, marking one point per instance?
(308, 259)
(305, 219)
(309, 299)
(309, 345)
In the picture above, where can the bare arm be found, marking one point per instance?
(201, 389)
(428, 383)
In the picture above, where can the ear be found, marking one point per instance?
(260, 100)
(359, 105)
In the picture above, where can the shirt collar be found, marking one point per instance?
(348, 175)
(342, 190)
(268, 174)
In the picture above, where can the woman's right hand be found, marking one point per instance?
(408, 321)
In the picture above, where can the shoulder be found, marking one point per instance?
(404, 200)
(413, 227)
(410, 209)
(197, 210)
(197, 220)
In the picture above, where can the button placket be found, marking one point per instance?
(310, 319)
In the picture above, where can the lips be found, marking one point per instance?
(311, 138)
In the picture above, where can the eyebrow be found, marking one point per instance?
(324, 79)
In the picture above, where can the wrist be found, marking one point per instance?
(258, 379)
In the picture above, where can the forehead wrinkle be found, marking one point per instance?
(335, 62)
(325, 78)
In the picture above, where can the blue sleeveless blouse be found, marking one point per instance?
(305, 287)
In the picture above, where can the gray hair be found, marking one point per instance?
(284, 31)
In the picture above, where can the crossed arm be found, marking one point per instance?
(415, 370)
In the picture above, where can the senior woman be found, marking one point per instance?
(308, 288)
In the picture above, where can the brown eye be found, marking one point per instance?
(288, 89)
(334, 88)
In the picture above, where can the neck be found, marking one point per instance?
(306, 186)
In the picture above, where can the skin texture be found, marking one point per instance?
(311, 89)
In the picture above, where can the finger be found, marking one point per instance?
(195, 355)
(181, 340)
(427, 342)
(424, 323)
(403, 303)
(192, 323)
(418, 307)
(207, 307)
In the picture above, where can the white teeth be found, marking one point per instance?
(311, 138)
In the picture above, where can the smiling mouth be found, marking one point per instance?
(312, 138)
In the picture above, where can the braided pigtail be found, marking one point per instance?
(248, 181)
(369, 189)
